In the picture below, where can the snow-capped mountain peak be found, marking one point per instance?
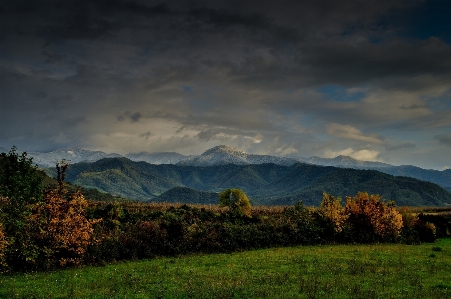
(221, 155)
(72, 155)
(224, 150)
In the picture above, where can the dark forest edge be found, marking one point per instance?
(49, 228)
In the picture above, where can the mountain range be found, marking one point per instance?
(265, 184)
(146, 176)
(221, 155)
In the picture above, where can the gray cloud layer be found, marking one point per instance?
(296, 78)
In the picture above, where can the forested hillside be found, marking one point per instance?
(266, 184)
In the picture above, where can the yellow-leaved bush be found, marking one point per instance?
(369, 210)
(236, 200)
(332, 210)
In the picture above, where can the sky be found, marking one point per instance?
(367, 79)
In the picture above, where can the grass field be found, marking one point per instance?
(332, 271)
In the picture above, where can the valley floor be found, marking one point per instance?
(332, 271)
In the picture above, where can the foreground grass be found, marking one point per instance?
(335, 271)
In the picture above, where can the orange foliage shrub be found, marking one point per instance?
(65, 229)
(368, 210)
(61, 226)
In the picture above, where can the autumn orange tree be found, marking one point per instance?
(64, 231)
(372, 218)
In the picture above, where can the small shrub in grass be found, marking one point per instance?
(436, 248)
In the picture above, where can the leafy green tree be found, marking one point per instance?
(299, 225)
(236, 200)
(20, 180)
(21, 188)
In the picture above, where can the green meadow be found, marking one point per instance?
(332, 271)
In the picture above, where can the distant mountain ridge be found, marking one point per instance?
(222, 155)
(345, 162)
(71, 155)
(265, 184)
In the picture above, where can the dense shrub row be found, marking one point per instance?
(64, 231)
(189, 229)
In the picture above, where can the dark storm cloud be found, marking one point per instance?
(349, 64)
(270, 76)
(296, 61)
(72, 19)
